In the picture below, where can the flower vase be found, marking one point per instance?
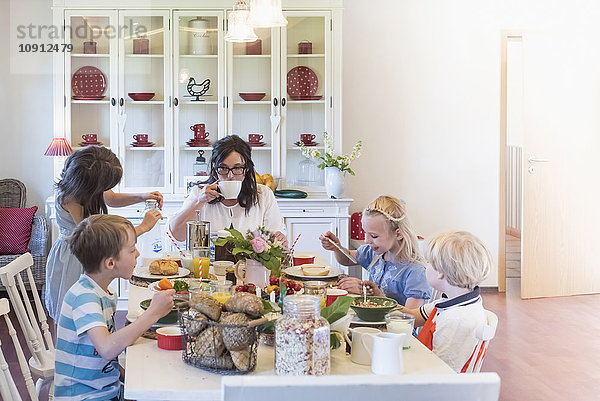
(334, 182)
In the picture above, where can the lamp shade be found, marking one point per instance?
(266, 14)
(58, 147)
(239, 30)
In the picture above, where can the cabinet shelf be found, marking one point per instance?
(198, 56)
(260, 147)
(90, 101)
(144, 55)
(252, 102)
(306, 55)
(196, 148)
(145, 101)
(142, 148)
(263, 56)
(84, 55)
(202, 102)
(305, 101)
(310, 147)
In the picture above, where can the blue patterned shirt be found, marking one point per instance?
(397, 280)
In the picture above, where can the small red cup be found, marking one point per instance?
(254, 138)
(307, 138)
(169, 338)
(332, 294)
(200, 135)
(303, 260)
(141, 46)
(254, 48)
(90, 137)
(141, 137)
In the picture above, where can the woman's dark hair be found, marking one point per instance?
(248, 196)
(87, 174)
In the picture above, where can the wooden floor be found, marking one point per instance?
(513, 256)
(544, 349)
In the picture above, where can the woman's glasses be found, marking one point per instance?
(224, 170)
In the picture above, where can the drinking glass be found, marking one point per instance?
(201, 260)
(317, 288)
(398, 322)
(221, 290)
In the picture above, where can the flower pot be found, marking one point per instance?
(334, 182)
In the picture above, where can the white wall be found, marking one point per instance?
(421, 89)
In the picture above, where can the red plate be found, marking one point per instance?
(302, 81)
(82, 144)
(88, 97)
(315, 97)
(88, 82)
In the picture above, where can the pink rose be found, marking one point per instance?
(258, 244)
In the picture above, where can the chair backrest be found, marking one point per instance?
(484, 335)
(12, 193)
(449, 387)
(33, 323)
(8, 389)
(356, 230)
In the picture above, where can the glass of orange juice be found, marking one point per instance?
(201, 260)
(221, 290)
(317, 288)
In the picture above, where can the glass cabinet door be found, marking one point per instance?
(306, 88)
(254, 97)
(91, 78)
(144, 88)
(198, 90)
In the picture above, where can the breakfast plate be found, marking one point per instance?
(356, 321)
(191, 282)
(144, 272)
(296, 271)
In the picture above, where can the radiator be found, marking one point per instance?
(514, 185)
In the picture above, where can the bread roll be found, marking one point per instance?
(244, 302)
(315, 271)
(164, 267)
(206, 304)
(237, 338)
(241, 359)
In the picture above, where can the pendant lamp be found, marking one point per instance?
(239, 30)
(266, 14)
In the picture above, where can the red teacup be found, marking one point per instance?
(198, 127)
(90, 138)
(141, 137)
(200, 135)
(254, 138)
(333, 294)
(307, 138)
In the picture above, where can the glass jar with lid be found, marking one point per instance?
(308, 173)
(302, 338)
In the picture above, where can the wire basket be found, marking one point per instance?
(226, 349)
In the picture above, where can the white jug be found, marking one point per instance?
(252, 272)
(359, 353)
(386, 353)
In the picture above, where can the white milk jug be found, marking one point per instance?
(361, 336)
(386, 353)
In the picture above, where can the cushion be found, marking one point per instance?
(15, 229)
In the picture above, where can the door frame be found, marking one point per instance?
(505, 36)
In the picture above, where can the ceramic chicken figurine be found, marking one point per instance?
(198, 90)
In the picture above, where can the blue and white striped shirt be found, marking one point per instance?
(80, 372)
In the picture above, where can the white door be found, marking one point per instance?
(561, 216)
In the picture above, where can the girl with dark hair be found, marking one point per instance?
(254, 206)
(84, 189)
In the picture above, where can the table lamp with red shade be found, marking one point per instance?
(60, 148)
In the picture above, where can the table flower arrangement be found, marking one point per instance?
(258, 245)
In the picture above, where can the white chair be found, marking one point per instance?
(449, 387)
(33, 323)
(484, 335)
(8, 389)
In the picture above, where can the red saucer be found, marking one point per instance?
(306, 97)
(298, 143)
(82, 144)
(198, 144)
(257, 144)
(142, 144)
(87, 97)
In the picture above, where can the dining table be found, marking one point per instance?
(152, 373)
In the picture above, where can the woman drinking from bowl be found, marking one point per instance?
(390, 255)
(231, 197)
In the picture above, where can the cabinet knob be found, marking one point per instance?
(275, 101)
(113, 101)
(121, 101)
(283, 102)
(175, 101)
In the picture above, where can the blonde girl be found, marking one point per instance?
(390, 255)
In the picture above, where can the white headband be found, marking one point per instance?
(387, 215)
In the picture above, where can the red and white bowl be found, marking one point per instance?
(169, 338)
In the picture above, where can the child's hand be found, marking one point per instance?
(350, 284)
(372, 289)
(161, 304)
(150, 219)
(325, 242)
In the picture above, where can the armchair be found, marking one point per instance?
(14, 194)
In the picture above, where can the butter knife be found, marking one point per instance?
(342, 250)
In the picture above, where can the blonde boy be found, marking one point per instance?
(88, 345)
(457, 263)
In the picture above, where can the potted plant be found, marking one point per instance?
(335, 166)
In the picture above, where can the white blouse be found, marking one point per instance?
(265, 213)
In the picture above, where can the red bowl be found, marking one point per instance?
(252, 96)
(303, 260)
(140, 96)
(169, 338)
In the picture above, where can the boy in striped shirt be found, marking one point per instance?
(87, 346)
(457, 263)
